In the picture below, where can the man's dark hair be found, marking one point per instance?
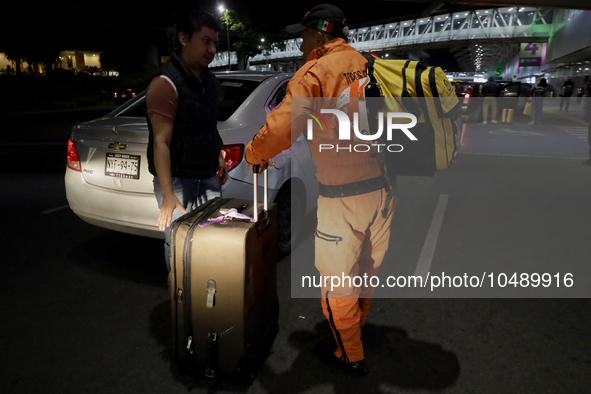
(193, 21)
(332, 36)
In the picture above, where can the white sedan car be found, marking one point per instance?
(107, 179)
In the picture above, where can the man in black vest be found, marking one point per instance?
(184, 148)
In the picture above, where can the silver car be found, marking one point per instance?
(107, 179)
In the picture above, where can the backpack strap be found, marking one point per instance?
(404, 83)
(420, 108)
(369, 65)
(372, 89)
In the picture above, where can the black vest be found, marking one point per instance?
(196, 144)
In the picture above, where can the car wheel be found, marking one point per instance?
(290, 218)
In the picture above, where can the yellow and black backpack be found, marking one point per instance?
(413, 87)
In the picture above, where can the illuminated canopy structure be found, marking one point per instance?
(479, 38)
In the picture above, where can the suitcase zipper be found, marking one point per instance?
(181, 328)
(187, 319)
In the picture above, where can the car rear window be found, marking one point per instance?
(512, 88)
(134, 107)
(233, 92)
(462, 88)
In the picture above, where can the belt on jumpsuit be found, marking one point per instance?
(354, 189)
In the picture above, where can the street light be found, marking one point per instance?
(222, 11)
(266, 55)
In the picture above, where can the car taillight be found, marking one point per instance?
(467, 95)
(233, 155)
(132, 94)
(115, 94)
(72, 155)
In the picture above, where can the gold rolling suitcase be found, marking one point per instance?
(223, 287)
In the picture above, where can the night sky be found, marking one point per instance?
(89, 21)
(124, 28)
(356, 12)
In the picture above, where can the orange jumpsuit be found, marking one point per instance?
(352, 235)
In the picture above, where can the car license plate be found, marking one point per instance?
(122, 165)
(123, 95)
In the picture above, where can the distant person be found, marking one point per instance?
(566, 91)
(473, 110)
(184, 147)
(582, 91)
(538, 92)
(587, 106)
(490, 91)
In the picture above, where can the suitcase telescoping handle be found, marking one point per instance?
(255, 171)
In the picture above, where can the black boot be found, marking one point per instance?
(325, 352)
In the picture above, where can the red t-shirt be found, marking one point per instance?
(162, 99)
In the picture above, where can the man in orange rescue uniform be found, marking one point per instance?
(355, 207)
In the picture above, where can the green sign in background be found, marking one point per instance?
(499, 70)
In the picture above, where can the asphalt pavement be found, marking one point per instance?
(86, 309)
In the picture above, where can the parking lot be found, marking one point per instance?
(86, 309)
